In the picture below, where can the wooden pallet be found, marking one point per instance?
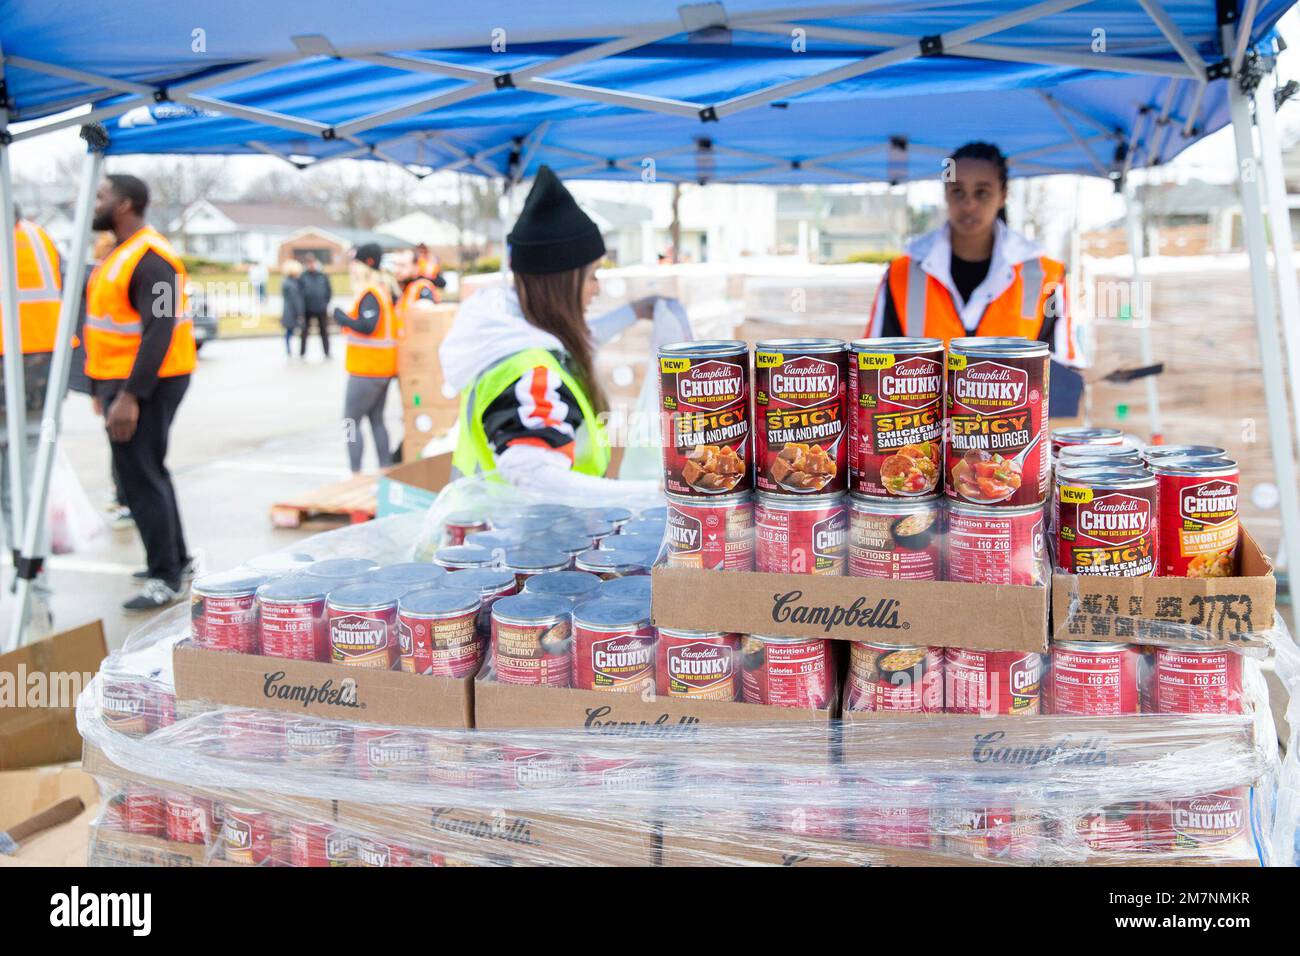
(352, 500)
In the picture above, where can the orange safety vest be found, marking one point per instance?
(425, 269)
(374, 355)
(39, 288)
(1010, 314)
(114, 327)
(411, 295)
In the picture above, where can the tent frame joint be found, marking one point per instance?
(161, 95)
(709, 114)
(1253, 70)
(1225, 12)
(328, 133)
(1221, 70)
(26, 569)
(932, 45)
(503, 81)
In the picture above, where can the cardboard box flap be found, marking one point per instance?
(937, 613)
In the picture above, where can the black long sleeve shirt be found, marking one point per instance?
(367, 319)
(153, 292)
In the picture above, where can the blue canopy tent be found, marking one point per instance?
(742, 91)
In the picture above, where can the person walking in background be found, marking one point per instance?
(293, 309)
(371, 326)
(39, 289)
(316, 294)
(140, 353)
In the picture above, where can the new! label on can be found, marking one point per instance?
(800, 535)
(1106, 522)
(896, 540)
(716, 534)
(799, 409)
(613, 646)
(703, 665)
(787, 671)
(997, 399)
(1198, 516)
(531, 640)
(363, 625)
(995, 545)
(895, 401)
(704, 395)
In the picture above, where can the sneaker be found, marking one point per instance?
(119, 517)
(187, 573)
(155, 594)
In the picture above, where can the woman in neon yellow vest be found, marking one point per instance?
(522, 354)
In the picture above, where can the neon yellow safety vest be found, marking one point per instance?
(474, 453)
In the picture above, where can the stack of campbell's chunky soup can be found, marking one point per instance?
(896, 458)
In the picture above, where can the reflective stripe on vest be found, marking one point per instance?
(39, 289)
(918, 283)
(1031, 284)
(474, 453)
(114, 328)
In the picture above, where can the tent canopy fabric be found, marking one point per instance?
(747, 90)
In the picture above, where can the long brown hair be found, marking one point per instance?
(553, 303)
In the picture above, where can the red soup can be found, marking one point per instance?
(1197, 680)
(1198, 516)
(716, 534)
(896, 417)
(1106, 522)
(320, 844)
(247, 836)
(462, 523)
(1205, 822)
(994, 833)
(1110, 455)
(787, 671)
(315, 743)
(384, 853)
(896, 812)
(895, 678)
(437, 632)
(799, 410)
(613, 646)
(292, 617)
(128, 704)
(389, 754)
(800, 535)
(703, 665)
(1084, 437)
(1091, 679)
(991, 682)
(531, 640)
(144, 810)
(704, 390)
(896, 540)
(995, 545)
(223, 611)
(997, 449)
(189, 818)
(363, 625)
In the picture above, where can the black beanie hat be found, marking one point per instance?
(552, 234)
(370, 253)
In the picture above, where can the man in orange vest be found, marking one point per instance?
(139, 356)
(428, 267)
(416, 286)
(39, 290)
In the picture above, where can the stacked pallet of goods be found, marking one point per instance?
(829, 646)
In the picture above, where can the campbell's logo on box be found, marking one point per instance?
(710, 385)
(1115, 519)
(804, 382)
(914, 383)
(1211, 502)
(988, 387)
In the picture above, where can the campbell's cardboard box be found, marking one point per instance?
(320, 689)
(116, 848)
(693, 846)
(412, 486)
(1230, 610)
(498, 836)
(934, 613)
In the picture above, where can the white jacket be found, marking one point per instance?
(933, 251)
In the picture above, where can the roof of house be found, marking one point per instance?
(618, 215)
(1195, 197)
(279, 215)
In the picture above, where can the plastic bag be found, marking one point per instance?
(74, 524)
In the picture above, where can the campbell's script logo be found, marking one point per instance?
(914, 383)
(343, 694)
(711, 385)
(995, 748)
(499, 826)
(1211, 502)
(601, 720)
(788, 608)
(1115, 519)
(804, 382)
(987, 387)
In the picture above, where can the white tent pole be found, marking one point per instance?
(1279, 221)
(15, 386)
(1141, 316)
(57, 388)
(1270, 356)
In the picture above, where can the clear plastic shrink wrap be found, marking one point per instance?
(599, 739)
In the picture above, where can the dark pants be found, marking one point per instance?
(322, 324)
(141, 465)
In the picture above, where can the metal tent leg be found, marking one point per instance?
(1141, 315)
(56, 390)
(15, 386)
(1270, 354)
(1279, 221)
